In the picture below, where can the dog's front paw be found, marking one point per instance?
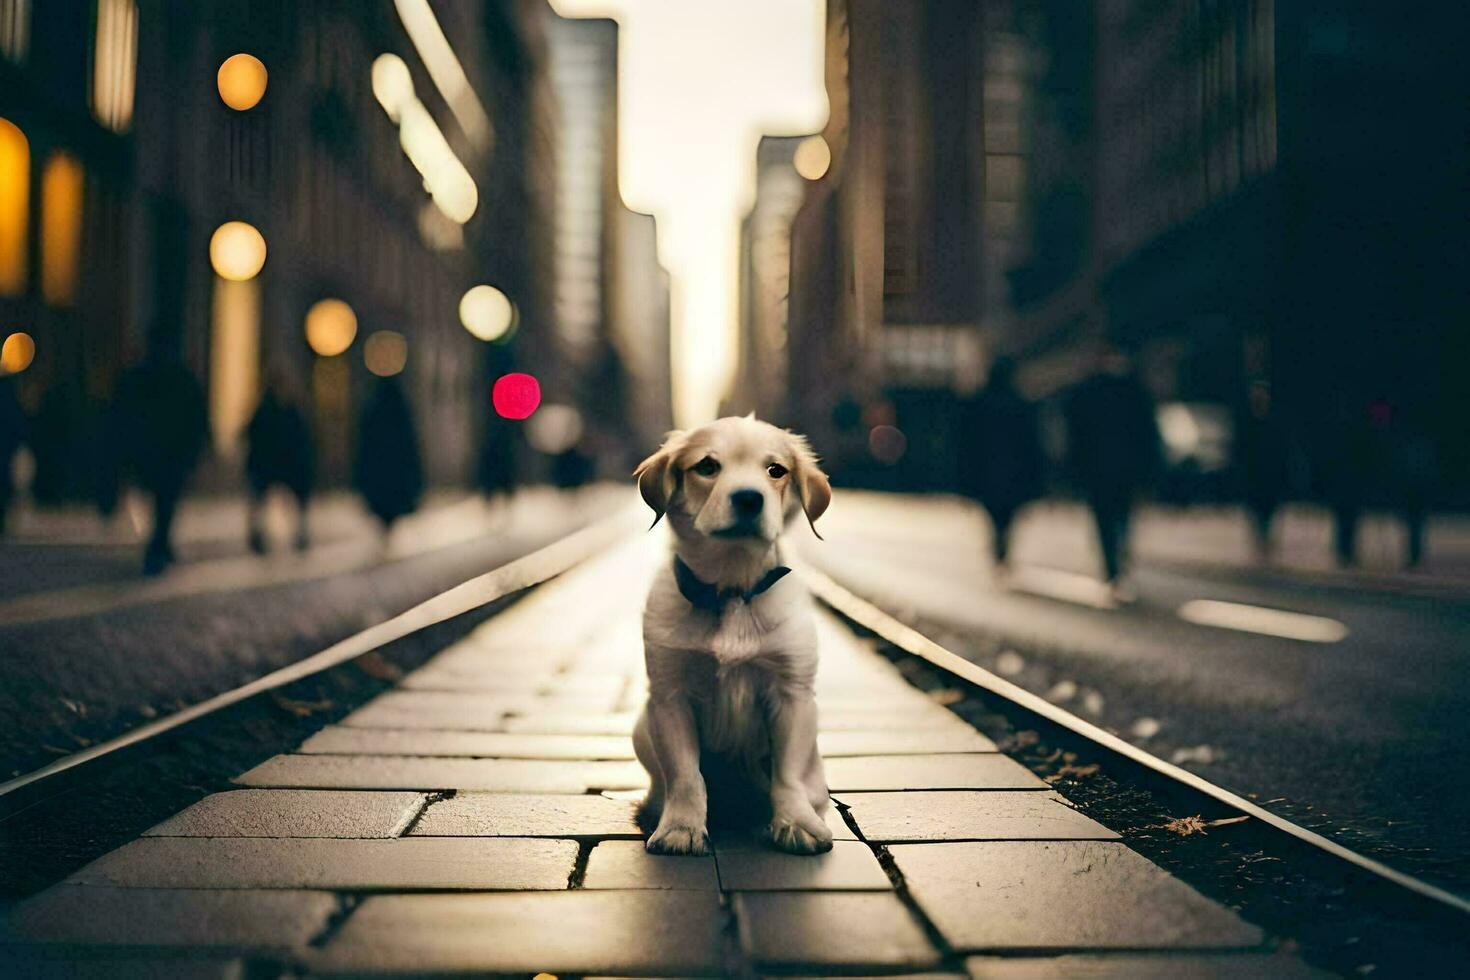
(678, 839)
(794, 838)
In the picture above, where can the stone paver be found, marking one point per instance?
(511, 815)
(573, 723)
(499, 863)
(294, 813)
(753, 866)
(171, 917)
(890, 741)
(416, 773)
(626, 864)
(469, 712)
(787, 929)
(1160, 966)
(495, 680)
(969, 815)
(628, 933)
(1019, 895)
(338, 740)
(894, 772)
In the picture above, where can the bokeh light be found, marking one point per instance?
(237, 251)
(515, 396)
(812, 158)
(887, 444)
(487, 313)
(242, 81)
(17, 353)
(392, 84)
(554, 429)
(385, 352)
(331, 327)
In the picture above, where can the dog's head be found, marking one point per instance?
(736, 479)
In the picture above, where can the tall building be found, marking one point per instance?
(610, 296)
(888, 253)
(116, 111)
(765, 275)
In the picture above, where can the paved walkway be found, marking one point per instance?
(479, 818)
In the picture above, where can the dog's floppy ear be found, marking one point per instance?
(656, 476)
(812, 486)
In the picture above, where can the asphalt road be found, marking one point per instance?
(1360, 738)
(89, 649)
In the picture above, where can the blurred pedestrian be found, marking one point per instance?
(388, 470)
(1002, 459)
(1113, 452)
(159, 430)
(1264, 464)
(281, 453)
(12, 435)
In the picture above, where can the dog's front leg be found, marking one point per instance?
(796, 775)
(671, 727)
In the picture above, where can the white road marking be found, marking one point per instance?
(1260, 619)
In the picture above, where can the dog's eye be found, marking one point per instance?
(776, 471)
(708, 466)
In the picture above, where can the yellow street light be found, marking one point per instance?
(385, 352)
(242, 81)
(812, 158)
(330, 327)
(487, 313)
(237, 251)
(17, 353)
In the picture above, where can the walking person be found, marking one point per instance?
(280, 453)
(159, 429)
(1002, 464)
(1113, 452)
(388, 470)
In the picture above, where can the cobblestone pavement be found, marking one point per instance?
(479, 818)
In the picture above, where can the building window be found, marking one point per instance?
(15, 29)
(61, 228)
(15, 196)
(114, 63)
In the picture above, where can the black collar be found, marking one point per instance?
(711, 598)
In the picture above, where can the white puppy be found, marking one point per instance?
(729, 638)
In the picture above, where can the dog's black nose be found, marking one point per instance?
(747, 503)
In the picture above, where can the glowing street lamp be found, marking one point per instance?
(812, 158)
(330, 327)
(487, 313)
(241, 80)
(16, 353)
(237, 251)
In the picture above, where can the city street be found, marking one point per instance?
(478, 818)
(1352, 737)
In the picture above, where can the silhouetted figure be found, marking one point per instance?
(387, 469)
(1264, 465)
(1418, 473)
(12, 435)
(1002, 463)
(498, 454)
(159, 430)
(572, 468)
(281, 453)
(1113, 451)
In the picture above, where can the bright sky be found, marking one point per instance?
(699, 82)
